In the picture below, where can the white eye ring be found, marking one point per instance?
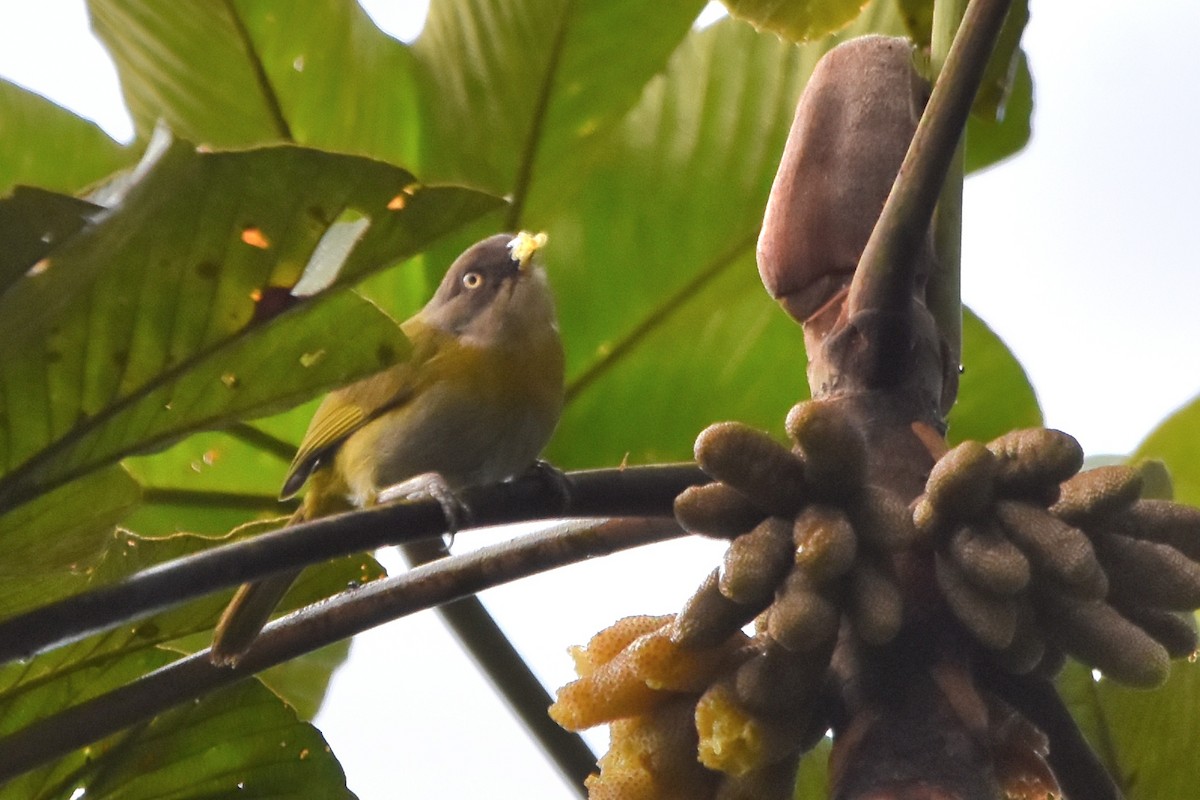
(472, 280)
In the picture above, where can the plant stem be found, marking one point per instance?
(943, 294)
(885, 274)
(947, 16)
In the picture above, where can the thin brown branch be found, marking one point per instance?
(637, 491)
(314, 627)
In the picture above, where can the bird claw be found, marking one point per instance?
(431, 485)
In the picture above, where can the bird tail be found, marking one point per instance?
(249, 610)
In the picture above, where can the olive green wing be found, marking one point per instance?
(342, 413)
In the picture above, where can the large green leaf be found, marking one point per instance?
(48, 146)
(32, 222)
(60, 678)
(241, 741)
(513, 91)
(207, 484)
(341, 83)
(54, 542)
(165, 316)
(667, 324)
(726, 352)
(252, 71)
(1147, 740)
(42, 693)
(189, 64)
(1174, 443)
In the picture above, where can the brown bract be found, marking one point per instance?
(850, 133)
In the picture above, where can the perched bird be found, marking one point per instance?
(475, 402)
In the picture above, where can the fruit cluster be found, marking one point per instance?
(810, 541)
(1032, 559)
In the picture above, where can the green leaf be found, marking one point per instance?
(189, 64)
(52, 543)
(168, 314)
(207, 484)
(812, 780)
(253, 71)
(32, 223)
(42, 691)
(341, 83)
(994, 393)
(1147, 739)
(796, 20)
(46, 145)
(727, 341)
(188, 628)
(214, 481)
(544, 78)
(241, 741)
(1173, 442)
(1005, 133)
(304, 681)
(666, 324)
(68, 675)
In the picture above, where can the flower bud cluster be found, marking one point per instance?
(1037, 559)
(687, 722)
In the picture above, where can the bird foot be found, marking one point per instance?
(431, 485)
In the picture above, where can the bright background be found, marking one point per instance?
(1081, 253)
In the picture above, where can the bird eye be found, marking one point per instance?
(472, 280)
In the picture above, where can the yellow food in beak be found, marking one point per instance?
(524, 245)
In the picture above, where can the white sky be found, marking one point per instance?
(1081, 253)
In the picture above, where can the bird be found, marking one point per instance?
(475, 401)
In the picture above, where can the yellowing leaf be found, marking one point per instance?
(797, 20)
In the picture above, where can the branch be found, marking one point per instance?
(636, 491)
(314, 627)
(1079, 771)
(886, 270)
(478, 632)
